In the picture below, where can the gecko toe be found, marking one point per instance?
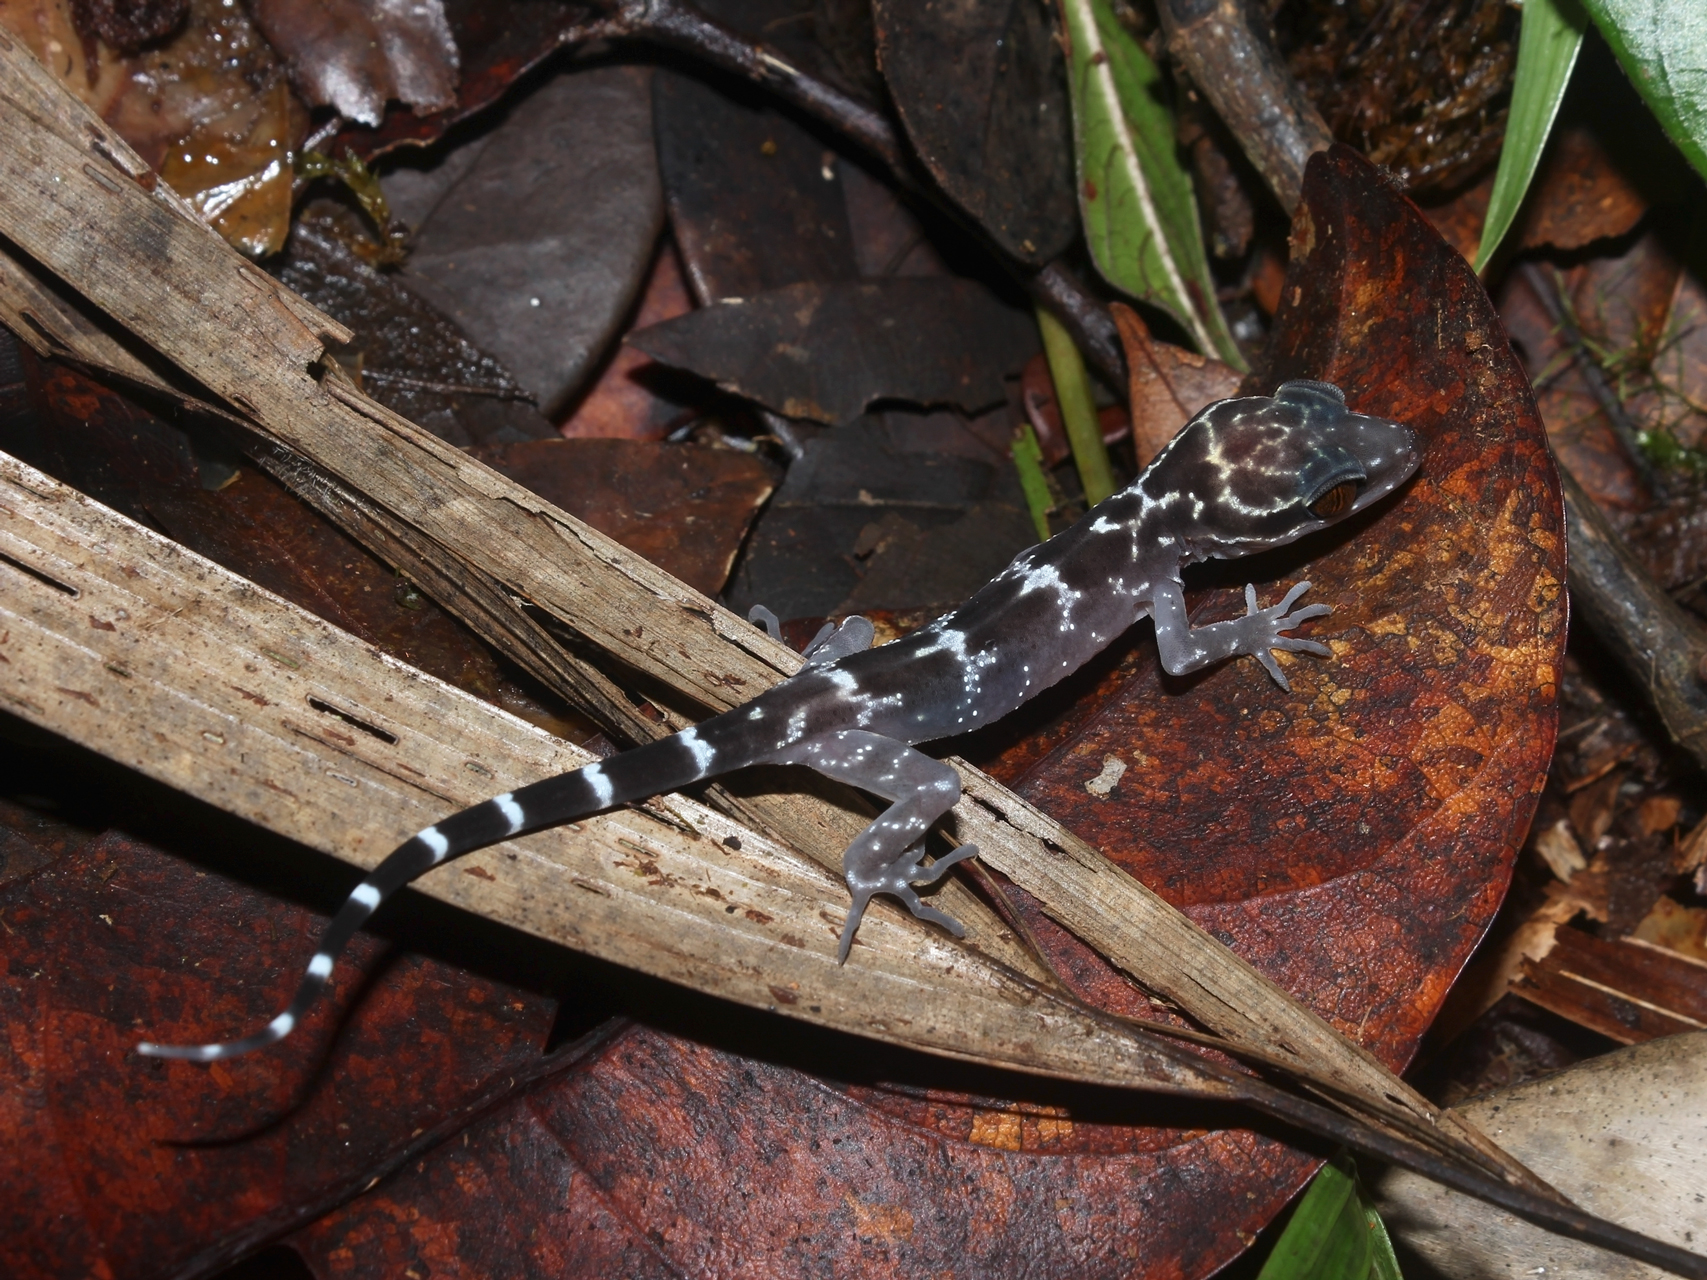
(856, 912)
(930, 913)
(1273, 668)
(935, 872)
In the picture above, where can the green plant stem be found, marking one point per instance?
(1028, 461)
(1078, 413)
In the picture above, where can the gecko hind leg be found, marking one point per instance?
(885, 857)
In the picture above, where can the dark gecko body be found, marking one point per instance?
(1243, 476)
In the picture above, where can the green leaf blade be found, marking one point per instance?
(1334, 1233)
(1547, 49)
(1135, 197)
(1662, 46)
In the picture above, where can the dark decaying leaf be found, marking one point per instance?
(357, 55)
(128, 26)
(830, 40)
(1421, 86)
(897, 511)
(827, 351)
(1621, 305)
(116, 1165)
(536, 236)
(981, 88)
(684, 505)
(112, 448)
(755, 200)
(407, 354)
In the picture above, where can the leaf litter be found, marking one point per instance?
(1037, 1121)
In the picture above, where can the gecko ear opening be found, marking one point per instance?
(1311, 395)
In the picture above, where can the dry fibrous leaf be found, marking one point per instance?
(1419, 86)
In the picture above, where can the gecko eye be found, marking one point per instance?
(1336, 501)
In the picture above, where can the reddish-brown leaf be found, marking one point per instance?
(665, 1156)
(1353, 838)
(122, 1166)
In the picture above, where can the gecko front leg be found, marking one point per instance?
(1184, 648)
(884, 858)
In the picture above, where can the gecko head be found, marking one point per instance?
(1260, 471)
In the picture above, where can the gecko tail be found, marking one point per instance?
(660, 766)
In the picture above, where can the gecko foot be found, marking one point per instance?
(897, 880)
(1261, 630)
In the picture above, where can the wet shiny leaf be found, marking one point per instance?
(356, 55)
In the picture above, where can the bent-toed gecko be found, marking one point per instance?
(1242, 476)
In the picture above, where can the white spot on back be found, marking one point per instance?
(365, 894)
(320, 966)
(602, 788)
(281, 1025)
(435, 841)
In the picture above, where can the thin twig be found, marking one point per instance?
(1548, 294)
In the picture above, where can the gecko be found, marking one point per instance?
(1244, 475)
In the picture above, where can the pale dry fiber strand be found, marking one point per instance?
(73, 197)
(121, 640)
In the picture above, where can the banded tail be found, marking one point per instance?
(634, 775)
